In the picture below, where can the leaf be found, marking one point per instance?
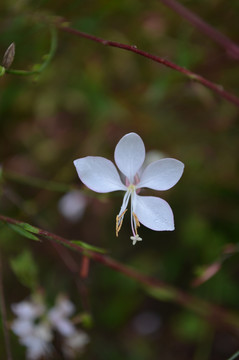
(162, 293)
(22, 231)
(29, 228)
(2, 70)
(86, 320)
(24, 267)
(89, 247)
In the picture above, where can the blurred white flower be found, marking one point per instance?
(38, 343)
(64, 306)
(36, 326)
(153, 155)
(72, 205)
(75, 343)
(59, 314)
(22, 327)
(147, 323)
(28, 309)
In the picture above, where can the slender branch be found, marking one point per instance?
(36, 182)
(4, 316)
(75, 270)
(155, 287)
(233, 357)
(218, 89)
(48, 58)
(231, 47)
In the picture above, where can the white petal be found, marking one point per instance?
(130, 155)
(161, 174)
(154, 213)
(77, 340)
(65, 327)
(22, 327)
(27, 309)
(98, 174)
(65, 306)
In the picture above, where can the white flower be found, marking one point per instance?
(58, 316)
(36, 328)
(101, 175)
(28, 309)
(38, 343)
(35, 336)
(75, 343)
(22, 327)
(72, 205)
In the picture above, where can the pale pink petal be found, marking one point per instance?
(161, 174)
(130, 155)
(99, 174)
(154, 213)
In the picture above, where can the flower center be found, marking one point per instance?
(130, 193)
(131, 188)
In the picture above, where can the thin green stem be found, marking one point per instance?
(48, 58)
(233, 357)
(36, 182)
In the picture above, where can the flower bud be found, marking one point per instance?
(9, 56)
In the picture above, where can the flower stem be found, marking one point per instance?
(4, 315)
(48, 58)
(231, 48)
(36, 182)
(233, 357)
(218, 89)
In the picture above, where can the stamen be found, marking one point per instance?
(119, 222)
(136, 222)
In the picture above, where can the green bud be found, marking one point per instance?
(2, 70)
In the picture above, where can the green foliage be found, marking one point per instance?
(23, 230)
(78, 100)
(89, 247)
(2, 71)
(25, 268)
(190, 327)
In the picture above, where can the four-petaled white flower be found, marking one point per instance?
(101, 175)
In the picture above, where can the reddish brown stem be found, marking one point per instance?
(191, 75)
(85, 264)
(76, 270)
(4, 315)
(155, 287)
(230, 47)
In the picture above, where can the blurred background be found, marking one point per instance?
(84, 101)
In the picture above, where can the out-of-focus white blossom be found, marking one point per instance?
(28, 310)
(38, 343)
(151, 156)
(22, 327)
(36, 327)
(75, 343)
(59, 316)
(146, 323)
(72, 205)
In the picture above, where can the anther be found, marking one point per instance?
(137, 223)
(119, 222)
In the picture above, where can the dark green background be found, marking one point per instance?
(82, 104)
